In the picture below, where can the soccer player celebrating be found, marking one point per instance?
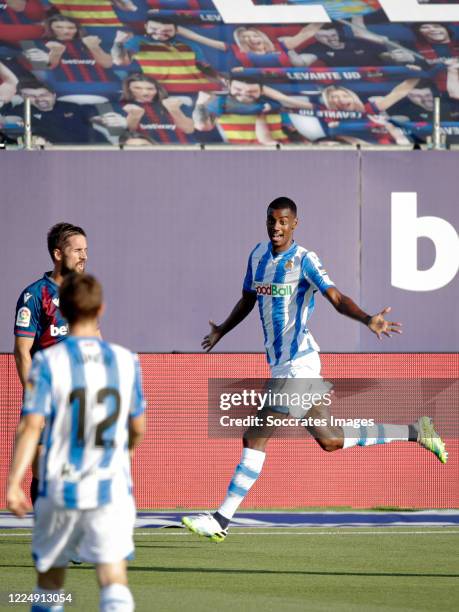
(39, 321)
(293, 353)
(88, 395)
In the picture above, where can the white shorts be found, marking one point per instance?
(99, 535)
(303, 370)
(307, 366)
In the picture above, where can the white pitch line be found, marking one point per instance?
(281, 533)
(315, 533)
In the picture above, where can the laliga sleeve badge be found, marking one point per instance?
(23, 317)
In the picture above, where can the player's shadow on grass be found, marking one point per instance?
(216, 570)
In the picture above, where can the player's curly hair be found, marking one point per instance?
(59, 234)
(283, 202)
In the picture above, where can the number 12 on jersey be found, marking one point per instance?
(104, 430)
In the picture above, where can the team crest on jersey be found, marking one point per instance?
(27, 297)
(23, 317)
(56, 301)
(288, 265)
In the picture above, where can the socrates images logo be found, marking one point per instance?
(274, 289)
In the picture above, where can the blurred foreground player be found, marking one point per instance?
(283, 277)
(39, 322)
(88, 394)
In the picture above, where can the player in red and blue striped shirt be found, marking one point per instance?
(39, 322)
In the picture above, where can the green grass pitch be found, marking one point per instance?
(323, 570)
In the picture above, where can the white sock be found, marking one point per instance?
(46, 600)
(116, 598)
(375, 434)
(244, 478)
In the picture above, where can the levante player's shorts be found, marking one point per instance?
(98, 535)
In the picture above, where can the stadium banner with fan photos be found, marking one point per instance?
(184, 72)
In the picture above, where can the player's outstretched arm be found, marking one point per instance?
(27, 437)
(376, 323)
(241, 310)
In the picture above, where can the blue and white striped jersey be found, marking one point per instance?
(87, 390)
(285, 285)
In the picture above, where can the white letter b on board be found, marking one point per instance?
(406, 229)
